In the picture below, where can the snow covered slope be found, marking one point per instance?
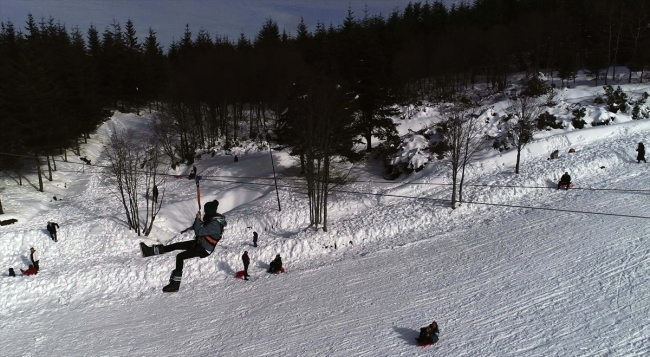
(500, 281)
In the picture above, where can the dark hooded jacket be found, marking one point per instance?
(209, 231)
(641, 155)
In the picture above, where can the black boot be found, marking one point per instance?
(174, 282)
(149, 251)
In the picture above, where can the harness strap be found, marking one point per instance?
(211, 240)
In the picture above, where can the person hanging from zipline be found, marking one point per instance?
(208, 233)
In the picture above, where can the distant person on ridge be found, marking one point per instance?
(33, 256)
(51, 227)
(247, 260)
(565, 181)
(254, 239)
(208, 233)
(641, 153)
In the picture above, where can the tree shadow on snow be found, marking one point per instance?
(26, 262)
(223, 266)
(551, 183)
(407, 334)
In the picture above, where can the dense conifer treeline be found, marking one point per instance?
(55, 82)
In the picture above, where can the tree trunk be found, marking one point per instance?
(518, 157)
(49, 168)
(453, 190)
(38, 168)
(1, 211)
(368, 142)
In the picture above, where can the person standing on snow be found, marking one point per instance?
(254, 239)
(641, 153)
(12, 272)
(155, 194)
(51, 227)
(33, 256)
(208, 233)
(247, 260)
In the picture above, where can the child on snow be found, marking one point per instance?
(641, 153)
(276, 265)
(428, 334)
(30, 271)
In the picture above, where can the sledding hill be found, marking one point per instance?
(500, 281)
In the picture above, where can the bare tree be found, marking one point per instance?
(132, 170)
(165, 137)
(318, 126)
(462, 132)
(638, 27)
(521, 126)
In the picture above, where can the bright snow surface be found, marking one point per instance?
(500, 281)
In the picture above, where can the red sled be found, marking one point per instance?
(278, 272)
(239, 275)
(424, 344)
(564, 185)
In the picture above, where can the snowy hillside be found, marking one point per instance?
(520, 269)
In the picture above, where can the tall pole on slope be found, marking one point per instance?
(274, 178)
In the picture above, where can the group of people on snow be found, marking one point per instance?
(33, 268)
(565, 180)
(208, 231)
(33, 255)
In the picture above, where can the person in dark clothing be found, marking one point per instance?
(33, 256)
(254, 239)
(192, 173)
(246, 261)
(155, 194)
(12, 272)
(276, 265)
(565, 181)
(641, 153)
(208, 233)
(30, 271)
(428, 334)
(51, 227)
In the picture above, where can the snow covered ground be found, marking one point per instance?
(499, 280)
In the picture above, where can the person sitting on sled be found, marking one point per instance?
(428, 334)
(565, 181)
(208, 233)
(276, 265)
(30, 271)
